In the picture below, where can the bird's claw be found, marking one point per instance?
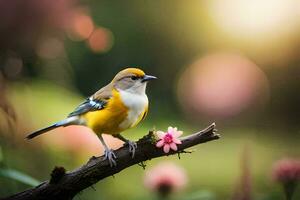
(110, 156)
(132, 147)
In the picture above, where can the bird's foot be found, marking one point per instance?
(110, 156)
(132, 147)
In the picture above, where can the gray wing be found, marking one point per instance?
(88, 105)
(95, 102)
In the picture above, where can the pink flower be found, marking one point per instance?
(165, 178)
(168, 140)
(286, 170)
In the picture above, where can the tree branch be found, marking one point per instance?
(65, 185)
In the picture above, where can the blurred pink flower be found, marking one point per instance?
(207, 87)
(286, 170)
(165, 178)
(168, 139)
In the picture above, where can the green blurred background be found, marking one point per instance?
(233, 62)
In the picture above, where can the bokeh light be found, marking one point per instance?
(222, 85)
(81, 26)
(50, 48)
(101, 40)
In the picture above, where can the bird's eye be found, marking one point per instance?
(134, 78)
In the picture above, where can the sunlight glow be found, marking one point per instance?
(253, 17)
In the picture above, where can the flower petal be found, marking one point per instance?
(166, 148)
(160, 134)
(160, 143)
(178, 133)
(170, 129)
(173, 146)
(177, 141)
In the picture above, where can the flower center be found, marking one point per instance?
(168, 138)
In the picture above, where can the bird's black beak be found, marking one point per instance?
(148, 78)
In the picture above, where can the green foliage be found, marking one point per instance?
(200, 195)
(18, 176)
(15, 174)
(1, 155)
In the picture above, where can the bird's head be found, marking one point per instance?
(133, 80)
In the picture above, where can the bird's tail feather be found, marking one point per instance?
(69, 121)
(41, 131)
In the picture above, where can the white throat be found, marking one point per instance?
(137, 89)
(136, 104)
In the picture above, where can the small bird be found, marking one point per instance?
(118, 106)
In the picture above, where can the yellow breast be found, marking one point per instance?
(116, 117)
